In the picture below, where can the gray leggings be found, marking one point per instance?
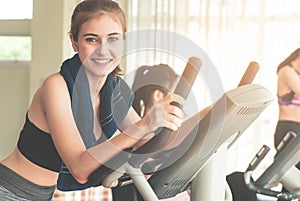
(13, 187)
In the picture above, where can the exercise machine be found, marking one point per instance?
(223, 124)
(281, 171)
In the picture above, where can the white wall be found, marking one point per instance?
(14, 88)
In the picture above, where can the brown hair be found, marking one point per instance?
(89, 9)
(147, 80)
(289, 59)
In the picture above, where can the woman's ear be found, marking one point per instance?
(74, 43)
(157, 95)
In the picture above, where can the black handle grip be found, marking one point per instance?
(258, 158)
(153, 145)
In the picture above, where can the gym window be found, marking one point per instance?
(15, 39)
(15, 48)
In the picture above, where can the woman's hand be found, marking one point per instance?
(164, 114)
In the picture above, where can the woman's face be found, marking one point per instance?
(100, 45)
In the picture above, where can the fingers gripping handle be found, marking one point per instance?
(182, 91)
(249, 74)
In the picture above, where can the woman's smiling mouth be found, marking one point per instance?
(102, 61)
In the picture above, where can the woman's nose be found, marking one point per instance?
(103, 48)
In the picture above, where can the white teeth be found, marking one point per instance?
(102, 61)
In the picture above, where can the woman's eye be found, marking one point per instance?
(91, 40)
(113, 39)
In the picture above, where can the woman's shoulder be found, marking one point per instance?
(286, 71)
(53, 83)
(53, 79)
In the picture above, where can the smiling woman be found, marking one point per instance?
(100, 52)
(67, 132)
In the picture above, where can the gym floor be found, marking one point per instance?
(104, 194)
(93, 194)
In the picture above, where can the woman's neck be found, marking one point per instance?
(95, 83)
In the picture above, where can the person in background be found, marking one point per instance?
(69, 127)
(288, 93)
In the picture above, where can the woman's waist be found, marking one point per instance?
(28, 170)
(290, 113)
